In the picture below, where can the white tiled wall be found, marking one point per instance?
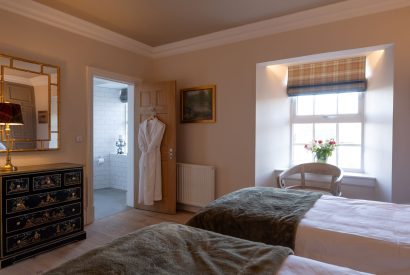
(109, 122)
(118, 171)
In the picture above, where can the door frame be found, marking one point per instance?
(92, 72)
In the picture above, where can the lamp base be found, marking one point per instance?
(8, 167)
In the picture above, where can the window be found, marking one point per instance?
(321, 117)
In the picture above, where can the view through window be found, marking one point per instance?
(322, 117)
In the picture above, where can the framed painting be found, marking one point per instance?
(42, 117)
(198, 104)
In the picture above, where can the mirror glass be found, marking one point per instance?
(36, 88)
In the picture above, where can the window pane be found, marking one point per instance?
(332, 159)
(350, 133)
(302, 133)
(350, 157)
(301, 155)
(348, 103)
(326, 104)
(304, 105)
(325, 131)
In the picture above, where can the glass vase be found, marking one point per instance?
(321, 159)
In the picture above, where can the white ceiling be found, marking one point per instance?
(158, 22)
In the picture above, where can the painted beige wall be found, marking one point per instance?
(230, 143)
(30, 39)
(379, 116)
(272, 131)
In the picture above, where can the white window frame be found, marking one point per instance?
(342, 118)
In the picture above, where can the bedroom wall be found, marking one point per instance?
(26, 38)
(378, 117)
(229, 144)
(272, 133)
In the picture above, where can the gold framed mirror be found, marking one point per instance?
(36, 87)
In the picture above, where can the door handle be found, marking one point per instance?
(171, 153)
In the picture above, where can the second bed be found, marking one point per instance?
(364, 235)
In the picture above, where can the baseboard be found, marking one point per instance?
(189, 208)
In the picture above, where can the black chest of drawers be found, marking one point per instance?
(41, 209)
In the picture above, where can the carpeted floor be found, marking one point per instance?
(109, 201)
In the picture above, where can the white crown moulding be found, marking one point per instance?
(326, 14)
(58, 19)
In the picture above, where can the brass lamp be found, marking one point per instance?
(10, 114)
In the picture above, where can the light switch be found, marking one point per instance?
(79, 139)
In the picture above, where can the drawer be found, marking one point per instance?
(42, 235)
(72, 178)
(34, 201)
(16, 185)
(46, 181)
(42, 217)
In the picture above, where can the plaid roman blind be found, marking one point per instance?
(334, 76)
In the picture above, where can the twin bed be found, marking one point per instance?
(362, 235)
(169, 248)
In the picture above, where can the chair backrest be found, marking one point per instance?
(335, 173)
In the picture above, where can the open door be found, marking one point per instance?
(161, 98)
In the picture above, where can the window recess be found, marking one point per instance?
(327, 102)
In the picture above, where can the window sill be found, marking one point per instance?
(349, 178)
(359, 179)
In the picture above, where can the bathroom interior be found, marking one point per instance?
(112, 160)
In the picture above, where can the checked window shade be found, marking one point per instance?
(334, 76)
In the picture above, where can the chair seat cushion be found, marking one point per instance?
(314, 190)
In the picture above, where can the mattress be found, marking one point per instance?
(363, 235)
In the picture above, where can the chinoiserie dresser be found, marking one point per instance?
(41, 209)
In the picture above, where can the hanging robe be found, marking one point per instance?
(150, 136)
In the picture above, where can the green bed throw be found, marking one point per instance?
(261, 214)
(169, 248)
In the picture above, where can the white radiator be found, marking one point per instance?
(195, 184)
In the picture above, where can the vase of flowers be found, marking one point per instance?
(321, 149)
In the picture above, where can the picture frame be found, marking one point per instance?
(198, 104)
(42, 117)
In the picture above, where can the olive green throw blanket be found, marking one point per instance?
(169, 248)
(261, 214)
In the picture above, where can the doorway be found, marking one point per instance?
(112, 158)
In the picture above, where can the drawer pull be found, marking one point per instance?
(73, 210)
(18, 241)
(18, 223)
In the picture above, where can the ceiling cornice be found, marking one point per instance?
(326, 14)
(53, 17)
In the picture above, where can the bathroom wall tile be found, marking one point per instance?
(109, 122)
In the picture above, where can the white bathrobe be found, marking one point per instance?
(149, 141)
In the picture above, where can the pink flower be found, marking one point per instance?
(320, 141)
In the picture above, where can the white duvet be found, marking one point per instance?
(364, 235)
(294, 265)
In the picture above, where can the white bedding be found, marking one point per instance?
(297, 265)
(364, 235)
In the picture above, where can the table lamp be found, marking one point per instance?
(10, 114)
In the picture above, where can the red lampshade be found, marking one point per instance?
(10, 113)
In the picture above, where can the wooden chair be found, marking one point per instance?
(335, 173)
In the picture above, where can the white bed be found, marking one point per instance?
(294, 265)
(363, 235)
(169, 248)
(368, 236)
